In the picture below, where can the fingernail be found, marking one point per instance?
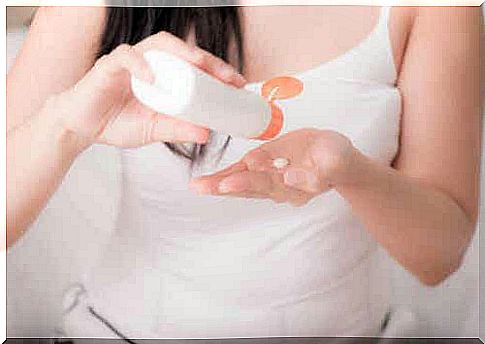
(227, 71)
(240, 80)
(204, 138)
(229, 74)
(200, 136)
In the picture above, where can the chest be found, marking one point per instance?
(290, 39)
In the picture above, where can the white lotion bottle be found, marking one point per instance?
(184, 91)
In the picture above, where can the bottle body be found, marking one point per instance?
(184, 91)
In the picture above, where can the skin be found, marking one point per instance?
(422, 209)
(99, 108)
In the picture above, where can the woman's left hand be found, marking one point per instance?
(317, 161)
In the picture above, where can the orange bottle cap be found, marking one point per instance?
(282, 87)
(274, 126)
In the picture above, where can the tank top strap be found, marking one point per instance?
(384, 18)
(383, 41)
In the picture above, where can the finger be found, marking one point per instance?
(250, 181)
(262, 185)
(121, 59)
(251, 185)
(216, 67)
(164, 128)
(298, 198)
(302, 179)
(234, 183)
(259, 160)
(209, 184)
(195, 55)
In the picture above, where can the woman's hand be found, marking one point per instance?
(318, 160)
(101, 108)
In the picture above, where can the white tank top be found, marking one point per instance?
(186, 265)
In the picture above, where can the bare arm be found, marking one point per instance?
(59, 49)
(59, 103)
(39, 153)
(424, 212)
(54, 56)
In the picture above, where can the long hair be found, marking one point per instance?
(213, 27)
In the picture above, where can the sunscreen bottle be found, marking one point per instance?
(184, 91)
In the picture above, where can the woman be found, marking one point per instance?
(381, 141)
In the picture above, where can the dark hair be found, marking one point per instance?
(213, 28)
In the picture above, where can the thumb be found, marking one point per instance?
(302, 179)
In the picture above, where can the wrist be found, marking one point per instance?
(356, 172)
(53, 120)
(336, 158)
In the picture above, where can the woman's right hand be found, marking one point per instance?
(101, 108)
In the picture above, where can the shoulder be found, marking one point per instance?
(439, 33)
(61, 31)
(447, 21)
(60, 47)
(73, 25)
(63, 13)
(448, 13)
